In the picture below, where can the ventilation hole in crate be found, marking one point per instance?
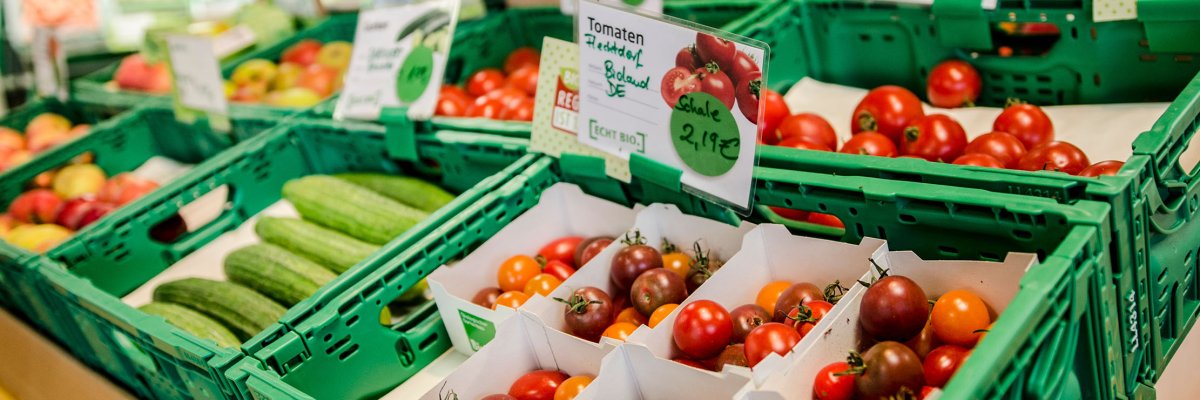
(948, 251)
(1023, 234)
(995, 77)
(1094, 34)
(888, 38)
(1148, 57)
(989, 256)
(1141, 43)
(787, 202)
(349, 352)
(1096, 79)
(1021, 91)
(824, 208)
(428, 342)
(337, 345)
(997, 89)
(853, 211)
(1043, 78)
(908, 218)
(1020, 78)
(1045, 92)
(328, 337)
(1074, 33)
(1183, 58)
(932, 31)
(924, 72)
(864, 38)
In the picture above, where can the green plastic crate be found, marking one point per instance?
(1053, 330)
(157, 360)
(95, 91)
(845, 42)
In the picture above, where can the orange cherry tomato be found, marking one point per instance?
(516, 271)
(769, 294)
(958, 316)
(570, 388)
(631, 315)
(512, 300)
(541, 284)
(520, 58)
(620, 330)
(678, 263)
(661, 313)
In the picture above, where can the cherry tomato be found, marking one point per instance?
(1055, 156)
(537, 385)
(978, 160)
(516, 271)
(941, 364)
(957, 317)
(771, 337)
(715, 49)
(562, 249)
(661, 313)
(794, 296)
(588, 312)
(803, 144)
(483, 81)
(890, 368)
(774, 110)
(521, 57)
(744, 68)
(570, 388)
(522, 111)
(541, 284)
(630, 262)
(809, 126)
(714, 81)
(734, 354)
(512, 300)
(1000, 145)
(1102, 168)
(631, 315)
(525, 79)
(590, 248)
(820, 308)
(870, 143)
(806, 316)
(677, 82)
(953, 84)
(702, 329)
(678, 263)
(484, 107)
(746, 93)
(769, 294)
(558, 269)
(886, 110)
(831, 385)
(620, 331)
(486, 297)
(1027, 122)
(826, 219)
(656, 287)
(510, 97)
(790, 213)
(745, 318)
(936, 137)
(451, 105)
(924, 342)
(893, 308)
(448, 89)
(687, 58)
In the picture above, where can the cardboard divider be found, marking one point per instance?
(770, 253)
(634, 372)
(564, 210)
(996, 283)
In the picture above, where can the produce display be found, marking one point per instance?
(494, 93)
(64, 200)
(43, 132)
(341, 224)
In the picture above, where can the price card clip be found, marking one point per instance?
(590, 172)
(652, 171)
(400, 137)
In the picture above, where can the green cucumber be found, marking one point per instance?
(273, 271)
(332, 249)
(414, 192)
(242, 310)
(193, 322)
(351, 209)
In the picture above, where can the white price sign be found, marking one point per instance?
(197, 74)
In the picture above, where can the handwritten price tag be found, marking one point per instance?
(704, 134)
(197, 75)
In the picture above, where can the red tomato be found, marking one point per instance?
(871, 144)
(886, 110)
(803, 144)
(809, 126)
(1102, 168)
(522, 111)
(687, 58)
(792, 214)
(1027, 122)
(714, 81)
(978, 160)
(953, 84)
(936, 137)
(1054, 156)
(743, 68)
(455, 89)
(747, 94)
(774, 110)
(715, 49)
(511, 97)
(484, 107)
(702, 329)
(486, 80)
(829, 385)
(1000, 145)
(452, 105)
(519, 58)
(771, 337)
(825, 219)
(561, 249)
(942, 362)
(524, 78)
(926, 391)
(677, 82)
(537, 385)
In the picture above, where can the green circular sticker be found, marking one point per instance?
(634, 3)
(705, 134)
(414, 74)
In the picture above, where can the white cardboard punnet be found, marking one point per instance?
(654, 223)
(770, 253)
(632, 372)
(995, 282)
(563, 210)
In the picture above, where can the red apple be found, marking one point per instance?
(11, 140)
(73, 211)
(159, 80)
(303, 52)
(135, 73)
(250, 93)
(319, 78)
(95, 212)
(124, 188)
(36, 206)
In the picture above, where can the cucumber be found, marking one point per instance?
(242, 310)
(351, 209)
(193, 322)
(417, 193)
(332, 249)
(271, 270)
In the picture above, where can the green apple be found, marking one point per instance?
(335, 55)
(255, 71)
(288, 76)
(294, 97)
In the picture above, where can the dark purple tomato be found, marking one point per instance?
(486, 297)
(894, 308)
(630, 262)
(588, 312)
(889, 367)
(654, 288)
(924, 342)
(793, 297)
(701, 271)
(733, 354)
(746, 318)
(590, 248)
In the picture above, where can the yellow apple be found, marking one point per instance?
(335, 55)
